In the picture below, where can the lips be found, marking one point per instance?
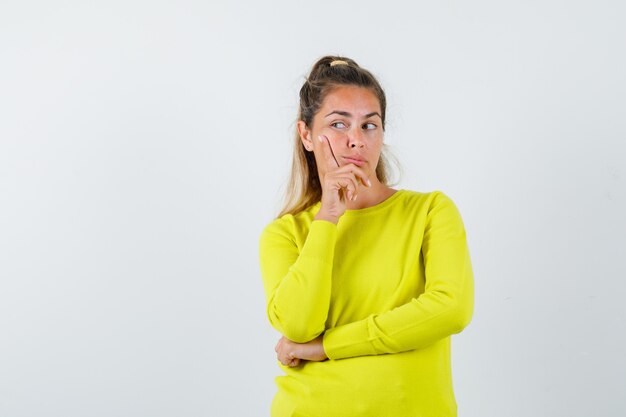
(354, 159)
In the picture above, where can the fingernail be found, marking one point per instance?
(320, 138)
(369, 183)
(356, 196)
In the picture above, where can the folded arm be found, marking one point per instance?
(444, 308)
(297, 282)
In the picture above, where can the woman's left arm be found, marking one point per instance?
(444, 308)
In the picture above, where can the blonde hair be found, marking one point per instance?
(304, 188)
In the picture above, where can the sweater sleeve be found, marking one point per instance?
(444, 308)
(297, 283)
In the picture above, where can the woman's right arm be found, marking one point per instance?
(297, 282)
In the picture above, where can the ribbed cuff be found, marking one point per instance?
(320, 242)
(348, 341)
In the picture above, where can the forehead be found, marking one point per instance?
(353, 99)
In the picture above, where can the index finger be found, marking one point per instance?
(327, 150)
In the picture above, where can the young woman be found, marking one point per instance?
(365, 283)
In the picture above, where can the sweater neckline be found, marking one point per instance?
(371, 209)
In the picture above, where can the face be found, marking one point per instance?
(350, 117)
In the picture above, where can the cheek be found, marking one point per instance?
(330, 133)
(335, 138)
(376, 143)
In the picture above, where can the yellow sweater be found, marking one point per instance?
(388, 285)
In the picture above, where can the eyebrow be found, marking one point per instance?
(346, 114)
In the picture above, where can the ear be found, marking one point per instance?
(305, 134)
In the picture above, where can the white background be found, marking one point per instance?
(145, 144)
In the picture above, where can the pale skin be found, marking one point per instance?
(348, 124)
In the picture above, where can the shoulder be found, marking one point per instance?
(424, 200)
(435, 205)
(290, 226)
(443, 216)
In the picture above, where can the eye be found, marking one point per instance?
(338, 125)
(369, 126)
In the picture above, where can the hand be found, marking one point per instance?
(339, 183)
(291, 353)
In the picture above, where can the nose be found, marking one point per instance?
(355, 138)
